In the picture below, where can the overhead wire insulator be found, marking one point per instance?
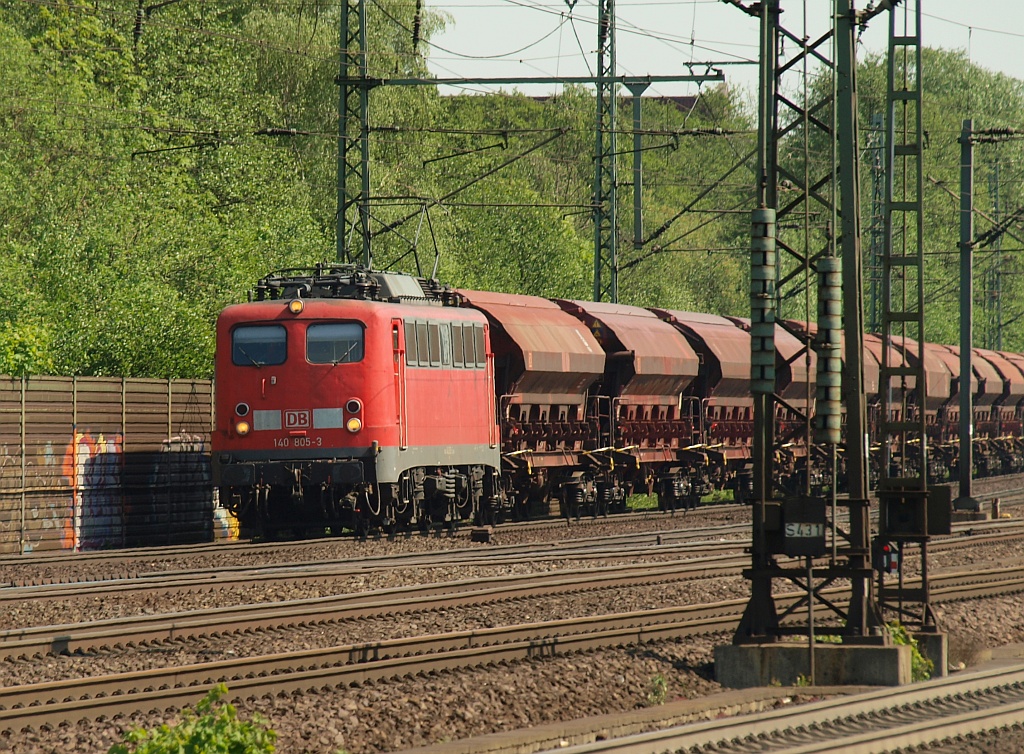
(828, 398)
(416, 21)
(762, 301)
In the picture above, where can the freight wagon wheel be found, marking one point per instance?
(667, 497)
(571, 507)
(520, 507)
(487, 515)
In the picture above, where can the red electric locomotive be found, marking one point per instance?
(353, 399)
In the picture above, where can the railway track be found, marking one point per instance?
(922, 715)
(55, 703)
(1010, 488)
(128, 559)
(717, 560)
(96, 635)
(678, 543)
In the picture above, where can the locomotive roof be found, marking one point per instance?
(348, 281)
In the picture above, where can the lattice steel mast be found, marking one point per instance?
(353, 208)
(606, 264)
(797, 525)
(903, 487)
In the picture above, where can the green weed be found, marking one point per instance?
(211, 728)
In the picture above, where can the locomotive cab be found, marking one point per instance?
(346, 400)
(296, 423)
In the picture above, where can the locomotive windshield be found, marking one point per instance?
(258, 345)
(334, 343)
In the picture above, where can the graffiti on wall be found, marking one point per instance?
(92, 467)
(41, 485)
(91, 494)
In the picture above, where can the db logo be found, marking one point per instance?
(296, 420)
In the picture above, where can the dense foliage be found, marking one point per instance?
(213, 727)
(146, 181)
(956, 90)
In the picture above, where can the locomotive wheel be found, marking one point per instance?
(485, 516)
(361, 527)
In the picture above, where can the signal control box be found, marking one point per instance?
(797, 526)
(907, 512)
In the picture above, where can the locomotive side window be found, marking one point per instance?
(434, 338)
(481, 350)
(411, 359)
(258, 345)
(421, 344)
(334, 343)
(446, 345)
(457, 345)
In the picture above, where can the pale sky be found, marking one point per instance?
(527, 38)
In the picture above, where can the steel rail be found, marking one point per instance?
(867, 723)
(1010, 486)
(313, 572)
(598, 548)
(94, 635)
(60, 702)
(244, 547)
(682, 540)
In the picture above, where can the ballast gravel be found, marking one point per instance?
(414, 711)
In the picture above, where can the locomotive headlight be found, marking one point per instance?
(354, 424)
(242, 428)
(295, 306)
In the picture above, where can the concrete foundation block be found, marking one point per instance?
(961, 517)
(935, 646)
(747, 665)
(481, 534)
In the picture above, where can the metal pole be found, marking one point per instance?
(637, 89)
(343, 73)
(764, 406)
(998, 277)
(810, 619)
(853, 317)
(965, 501)
(364, 140)
(353, 106)
(760, 620)
(23, 539)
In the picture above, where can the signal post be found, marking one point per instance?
(799, 539)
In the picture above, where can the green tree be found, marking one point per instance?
(956, 89)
